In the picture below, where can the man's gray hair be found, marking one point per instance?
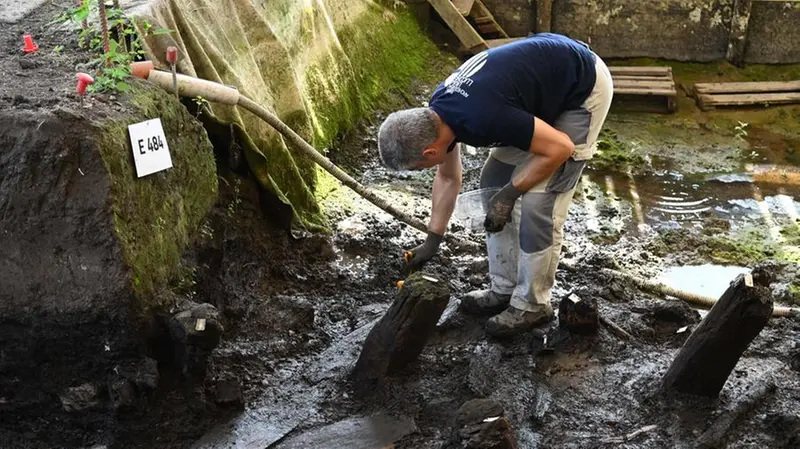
(404, 135)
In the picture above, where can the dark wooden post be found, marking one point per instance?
(737, 39)
(544, 12)
(709, 355)
(400, 336)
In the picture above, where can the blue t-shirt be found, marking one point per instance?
(492, 98)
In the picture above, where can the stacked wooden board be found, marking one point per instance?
(477, 30)
(472, 23)
(713, 95)
(645, 81)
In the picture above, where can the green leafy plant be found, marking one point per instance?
(114, 62)
(200, 102)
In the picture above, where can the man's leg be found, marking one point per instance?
(501, 247)
(544, 212)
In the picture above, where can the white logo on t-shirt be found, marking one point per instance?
(463, 75)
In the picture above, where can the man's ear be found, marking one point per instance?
(430, 152)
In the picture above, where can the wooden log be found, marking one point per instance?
(751, 87)
(737, 38)
(705, 361)
(399, 337)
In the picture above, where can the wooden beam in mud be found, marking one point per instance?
(709, 355)
(400, 336)
(737, 38)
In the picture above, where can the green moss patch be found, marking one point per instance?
(744, 248)
(155, 217)
(385, 52)
(616, 154)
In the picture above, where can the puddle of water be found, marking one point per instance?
(670, 199)
(706, 280)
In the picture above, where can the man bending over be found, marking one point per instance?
(539, 104)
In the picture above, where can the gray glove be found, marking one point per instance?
(416, 257)
(500, 207)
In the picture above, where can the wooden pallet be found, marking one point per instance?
(472, 23)
(645, 81)
(767, 93)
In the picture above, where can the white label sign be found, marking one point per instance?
(150, 149)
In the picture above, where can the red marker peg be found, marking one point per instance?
(172, 55)
(30, 46)
(172, 58)
(84, 80)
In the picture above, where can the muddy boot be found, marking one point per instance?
(484, 302)
(514, 321)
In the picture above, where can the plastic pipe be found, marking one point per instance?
(215, 92)
(189, 86)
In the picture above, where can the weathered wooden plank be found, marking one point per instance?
(628, 70)
(748, 87)
(400, 336)
(464, 6)
(646, 84)
(748, 99)
(665, 77)
(498, 42)
(640, 91)
(708, 356)
(462, 29)
(480, 10)
(737, 38)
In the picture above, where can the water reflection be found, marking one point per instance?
(670, 199)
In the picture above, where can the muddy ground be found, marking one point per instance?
(297, 307)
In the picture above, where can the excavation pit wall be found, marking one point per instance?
(89, 249)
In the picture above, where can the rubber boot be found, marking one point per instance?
(514, 321)
(484, 302)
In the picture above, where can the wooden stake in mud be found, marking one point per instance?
(709, 355)
(399, 337)
(101, 7)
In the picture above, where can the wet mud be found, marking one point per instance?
(588, 391)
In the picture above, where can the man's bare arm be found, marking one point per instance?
(552, 147)
(446, 186)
